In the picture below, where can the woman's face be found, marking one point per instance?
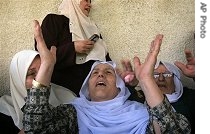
(165, 83)
(85, 6)
(102, 83)
(32, 71)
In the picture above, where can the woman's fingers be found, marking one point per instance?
(38, 36)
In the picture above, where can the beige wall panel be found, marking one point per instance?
(127, 26)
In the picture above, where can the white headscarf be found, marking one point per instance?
(116, 116)
(11, 105)
(82, 27)
(178, 84)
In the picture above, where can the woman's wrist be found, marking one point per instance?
(36, 84)
(44, 75)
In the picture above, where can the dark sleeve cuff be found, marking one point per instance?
(38, 96)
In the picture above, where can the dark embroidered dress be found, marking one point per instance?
(41, 118)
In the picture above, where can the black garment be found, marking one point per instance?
(186, 106)
(55, 30)
(7, 125)
(136, 95)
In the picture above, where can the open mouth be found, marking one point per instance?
(161, 85)
(87, 9)
(100, 83)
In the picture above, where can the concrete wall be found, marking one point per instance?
(127, 26)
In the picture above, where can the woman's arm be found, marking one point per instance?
(166, 120)
(144, 74)
(39, 117)
(48, 58)
(162, 117)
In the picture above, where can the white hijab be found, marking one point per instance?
(178, 84)
(82, 27)
(11, 105)
(116, 116)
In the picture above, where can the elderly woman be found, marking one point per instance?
(167, 77)
(103, 105)
(23, 69)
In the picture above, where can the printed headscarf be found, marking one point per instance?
(116, 116)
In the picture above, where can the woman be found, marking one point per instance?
(167, 77)
(70, 32)
(112, 109)
(23, 69)
(102, 106)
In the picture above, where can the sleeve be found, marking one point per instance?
(108, 58)
(55, 30)
(136, 95)
(39, 117)
(168, 120)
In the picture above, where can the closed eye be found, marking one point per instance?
(31, 72)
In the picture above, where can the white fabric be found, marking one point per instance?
(82, 27)
(178, 84)
(11, 105)
(116, 116)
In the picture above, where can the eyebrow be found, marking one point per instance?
(30, 70)
(108, 68)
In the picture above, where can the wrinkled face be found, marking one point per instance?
(32, 71)
(85, 6)
(165, 83)
(102, 83)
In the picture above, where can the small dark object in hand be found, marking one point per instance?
(94, 37)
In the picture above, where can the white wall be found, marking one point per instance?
(127, 26)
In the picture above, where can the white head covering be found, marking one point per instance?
(82, 27)
(178, 84)
(11, 105)
(116, 116)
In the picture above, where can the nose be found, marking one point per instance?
(161, 77)
(89, 4)
(100, 74)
